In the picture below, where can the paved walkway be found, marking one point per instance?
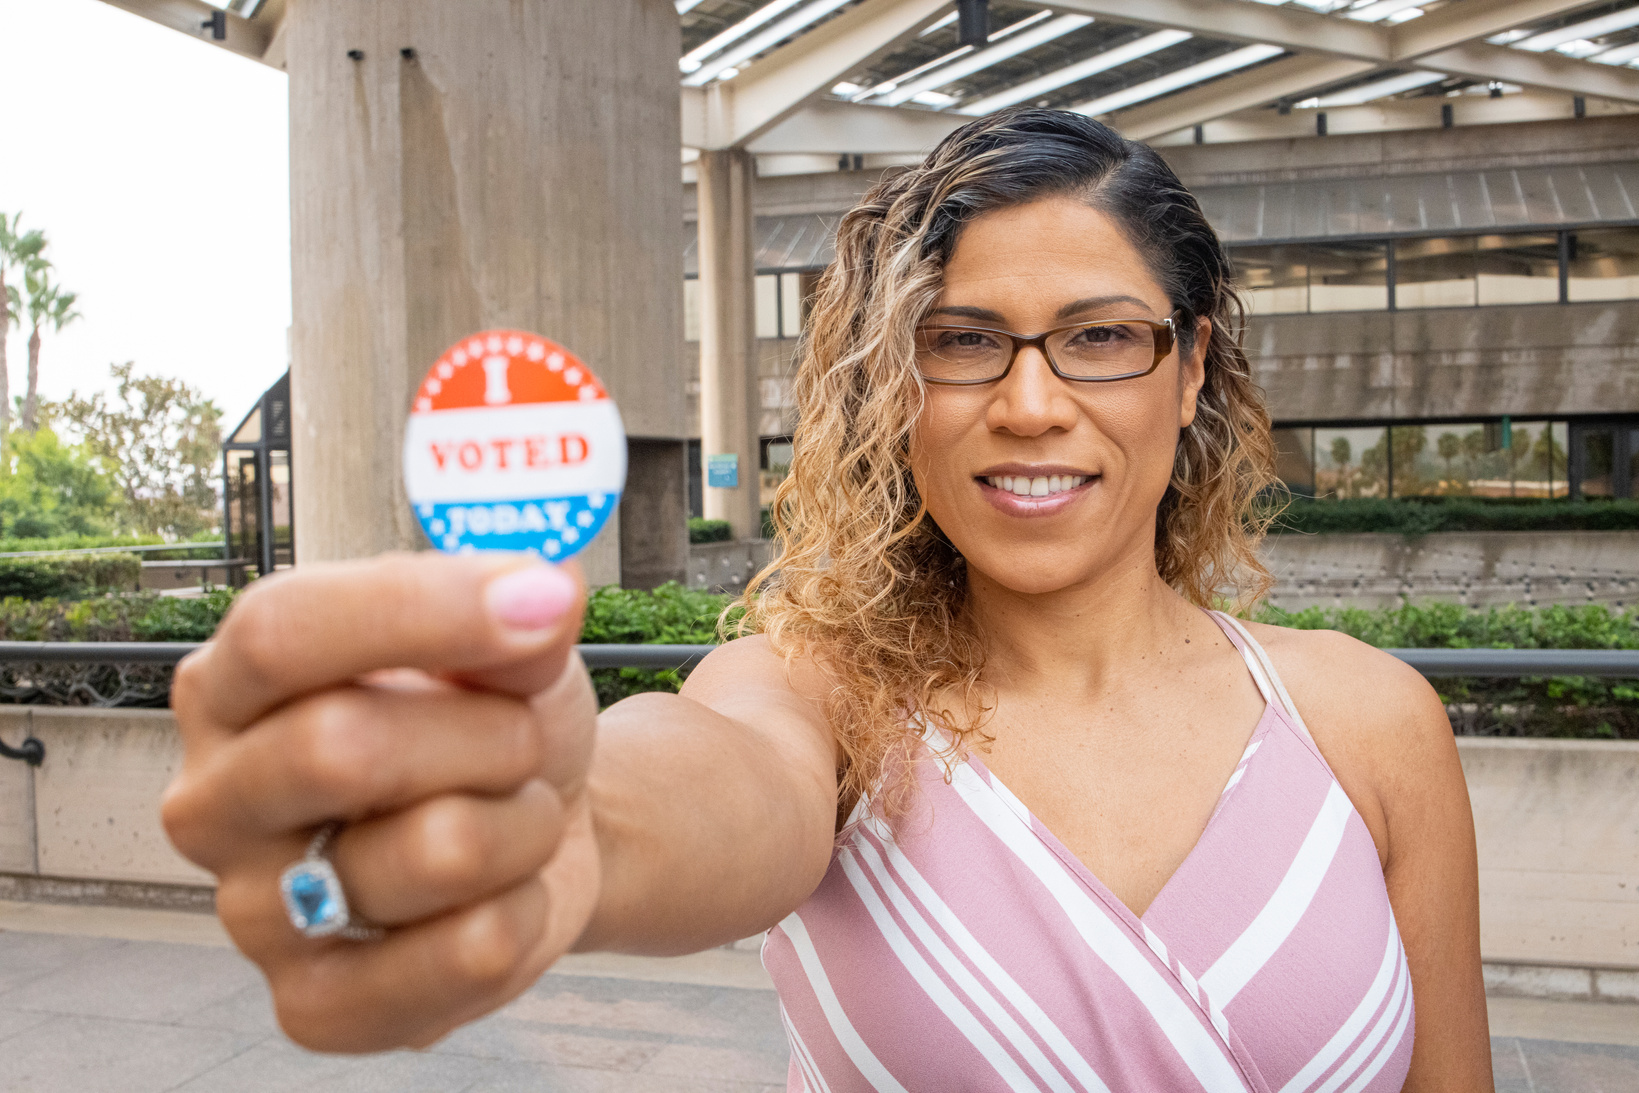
(102, 1000)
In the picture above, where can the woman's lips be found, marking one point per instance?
(1047, 494)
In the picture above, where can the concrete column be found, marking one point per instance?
(730, 398)
(457, 166)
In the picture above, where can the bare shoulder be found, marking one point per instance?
(1378, 722)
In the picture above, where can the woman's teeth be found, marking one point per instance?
(1036, 487)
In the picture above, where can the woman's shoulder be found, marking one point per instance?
(1378, 722)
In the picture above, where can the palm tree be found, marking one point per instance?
(17, 250)
(47, 303)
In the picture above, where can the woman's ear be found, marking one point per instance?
(1192, 372)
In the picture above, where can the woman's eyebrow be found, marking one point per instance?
(1091, 302)
(981, 313)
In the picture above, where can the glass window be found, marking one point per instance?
(1536, 458)
(1351, 462)
(1596, 449)
(1516, 269)
(790, 305)
(1275, 280)
(1295, 460)
(1604, 265)
(1435, 273)
(691, 309)
(1348, 276)
(768, 305)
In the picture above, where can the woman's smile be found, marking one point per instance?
(1019, 489)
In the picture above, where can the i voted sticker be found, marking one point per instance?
(513, 444)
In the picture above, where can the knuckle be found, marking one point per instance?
(489, 946)
(339, 749)
(256, 632)
(453, 846)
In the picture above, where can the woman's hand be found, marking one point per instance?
(436, 705)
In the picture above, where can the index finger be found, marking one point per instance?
(511, 619)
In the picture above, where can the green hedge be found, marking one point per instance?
(710, 531)
(68, 577)
(669, 615)
(143, 616)
(1421, 516)
(1565, 706)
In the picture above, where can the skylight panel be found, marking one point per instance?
(887, 86)
(785, 28)
(941, 24)
(1172, 81)
(1370, 12)
(1377, 89)
(1063, 77)
(1592, 28)
(1013, 46)
(694, 58)
(1621, 55)
(686, 6)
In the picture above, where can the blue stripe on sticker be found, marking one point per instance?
(552, 527)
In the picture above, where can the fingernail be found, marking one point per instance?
(530, 599)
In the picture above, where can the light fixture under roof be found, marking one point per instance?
(1063, 77)
(1591, 28)
(1621, 55)
(1381, 10)
(1013, 46)
(686, 6)
(1172, 81)
(792, 24)
(696, 57)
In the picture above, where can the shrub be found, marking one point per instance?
(668, 615)
(142, 616)
(1423, 516)
(710, 531)
(67, 577)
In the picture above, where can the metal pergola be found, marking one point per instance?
(813, 85)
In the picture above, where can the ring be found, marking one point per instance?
(313, 895)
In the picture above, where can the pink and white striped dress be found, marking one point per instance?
(967, 949)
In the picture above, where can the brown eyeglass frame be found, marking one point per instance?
(1166, 339)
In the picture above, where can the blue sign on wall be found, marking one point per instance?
(723, 471)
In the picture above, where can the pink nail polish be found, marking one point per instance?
(530, 599)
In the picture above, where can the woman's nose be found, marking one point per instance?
(1031, 399)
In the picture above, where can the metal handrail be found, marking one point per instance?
(142, 549)
(1497, 663)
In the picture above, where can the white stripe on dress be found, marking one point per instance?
(811, 1076)
(1204, 1055)
(1274, 924)
(1402, 980)
(1388, 1048)
(858, 1051)
(935, 988)
(970, 947)
(1340, 1041)
(953, 967)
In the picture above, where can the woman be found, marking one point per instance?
(1016, 809)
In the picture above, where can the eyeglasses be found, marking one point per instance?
(1110, 349)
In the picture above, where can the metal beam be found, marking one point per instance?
(1549, 71)
(827, 127)
(1390, 116)
(1455, 24)
(1285, 78)
(731, 113)
(246, 37)
(1235, 21)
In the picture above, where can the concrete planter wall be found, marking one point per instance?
(1557, 822)
(1479, 568)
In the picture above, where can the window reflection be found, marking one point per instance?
(1603, 265)
(1352, 462)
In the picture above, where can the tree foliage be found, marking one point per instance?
(50, 489)
(159, 442)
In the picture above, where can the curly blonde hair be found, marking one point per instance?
(864, 584)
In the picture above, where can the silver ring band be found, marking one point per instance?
(313, 896)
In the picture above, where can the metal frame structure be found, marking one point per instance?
(262, 434)
(887, 78)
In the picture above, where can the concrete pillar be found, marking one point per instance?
(458, 166)
(730, 398)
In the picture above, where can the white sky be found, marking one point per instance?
(159, 169)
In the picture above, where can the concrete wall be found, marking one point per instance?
(1477, 568)
(1557, 822)
(1449, 362)
(1558, 828)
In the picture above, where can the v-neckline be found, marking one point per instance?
(1265, 724)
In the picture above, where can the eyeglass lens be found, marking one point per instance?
(1104, 351)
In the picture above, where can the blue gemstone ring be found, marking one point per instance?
(313, 895)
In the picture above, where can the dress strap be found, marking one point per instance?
(1263, 670)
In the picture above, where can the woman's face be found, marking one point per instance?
(1029, 269)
